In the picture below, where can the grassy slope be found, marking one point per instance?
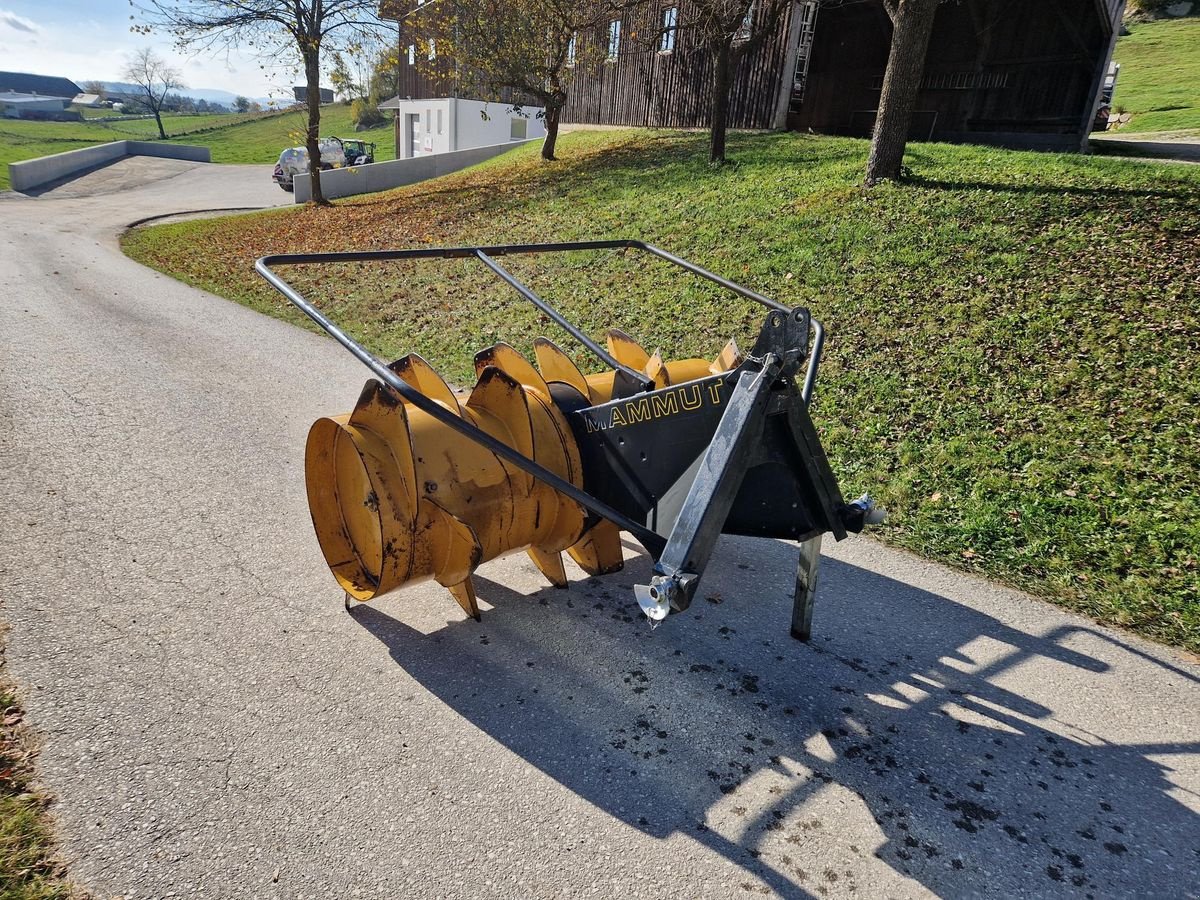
(1160, 75)
(1011, 363)
(234, 138)
(261, 141)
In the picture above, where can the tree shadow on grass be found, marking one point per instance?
(906, 704)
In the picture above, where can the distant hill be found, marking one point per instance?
(212, 95)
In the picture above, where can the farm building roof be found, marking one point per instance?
(42, 85)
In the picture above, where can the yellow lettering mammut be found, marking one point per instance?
(690, 400)
(665, 404)
(637, 411)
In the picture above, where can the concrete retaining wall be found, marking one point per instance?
(188, 152)
(30, 173)
(383, 176)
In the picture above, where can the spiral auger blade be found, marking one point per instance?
(397, 497)
(557, 368)
(553, 446)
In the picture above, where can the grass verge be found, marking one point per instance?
(28, 868)
(1011, 363)
(1160, 76)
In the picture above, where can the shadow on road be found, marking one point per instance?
(719, 726)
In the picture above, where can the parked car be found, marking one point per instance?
(335, 154)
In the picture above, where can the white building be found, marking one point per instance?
(425, 127)
(17, 106)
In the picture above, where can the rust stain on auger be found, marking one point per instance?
(423, 482)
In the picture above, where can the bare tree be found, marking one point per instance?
(516, 50)
(293, 30)
(912, 24)
(95, 87)
(154, 78)
(352, 70)
(729, 30)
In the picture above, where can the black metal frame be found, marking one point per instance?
(654, 543)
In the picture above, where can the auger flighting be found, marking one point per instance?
(419, 481)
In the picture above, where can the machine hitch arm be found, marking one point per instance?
(677, 572)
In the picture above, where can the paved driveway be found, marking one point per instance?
(215, 724)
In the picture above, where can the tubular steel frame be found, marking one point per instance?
(654, 543)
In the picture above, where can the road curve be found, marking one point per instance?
(215, 724)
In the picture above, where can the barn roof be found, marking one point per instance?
(42, 85)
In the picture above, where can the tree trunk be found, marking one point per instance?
(553, 114)
(158, 119)
(312, 81)
(911, 26)
(722, 64)
(554, 107)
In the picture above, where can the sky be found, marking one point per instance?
(89, 39)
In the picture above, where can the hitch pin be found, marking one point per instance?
(872, 514)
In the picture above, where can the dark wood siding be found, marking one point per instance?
(995, 68)
(423, 79)
(646, 87)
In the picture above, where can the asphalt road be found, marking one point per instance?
(215, 724)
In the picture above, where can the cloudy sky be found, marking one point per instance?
(89, 39)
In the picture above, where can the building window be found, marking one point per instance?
(439, 112)
(571, 49)
(432, 49)
(518, 129)
(670, 23)
(412, 54)
(614, 39)
(747, 26)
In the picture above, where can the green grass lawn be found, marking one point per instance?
(233, 137)
(1012, 336)
(1160, 76)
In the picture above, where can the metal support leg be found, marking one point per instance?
(806, 588)
(722, 468)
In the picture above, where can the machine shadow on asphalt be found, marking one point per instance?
(717, 725)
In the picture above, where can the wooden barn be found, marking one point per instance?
(1023, 73)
